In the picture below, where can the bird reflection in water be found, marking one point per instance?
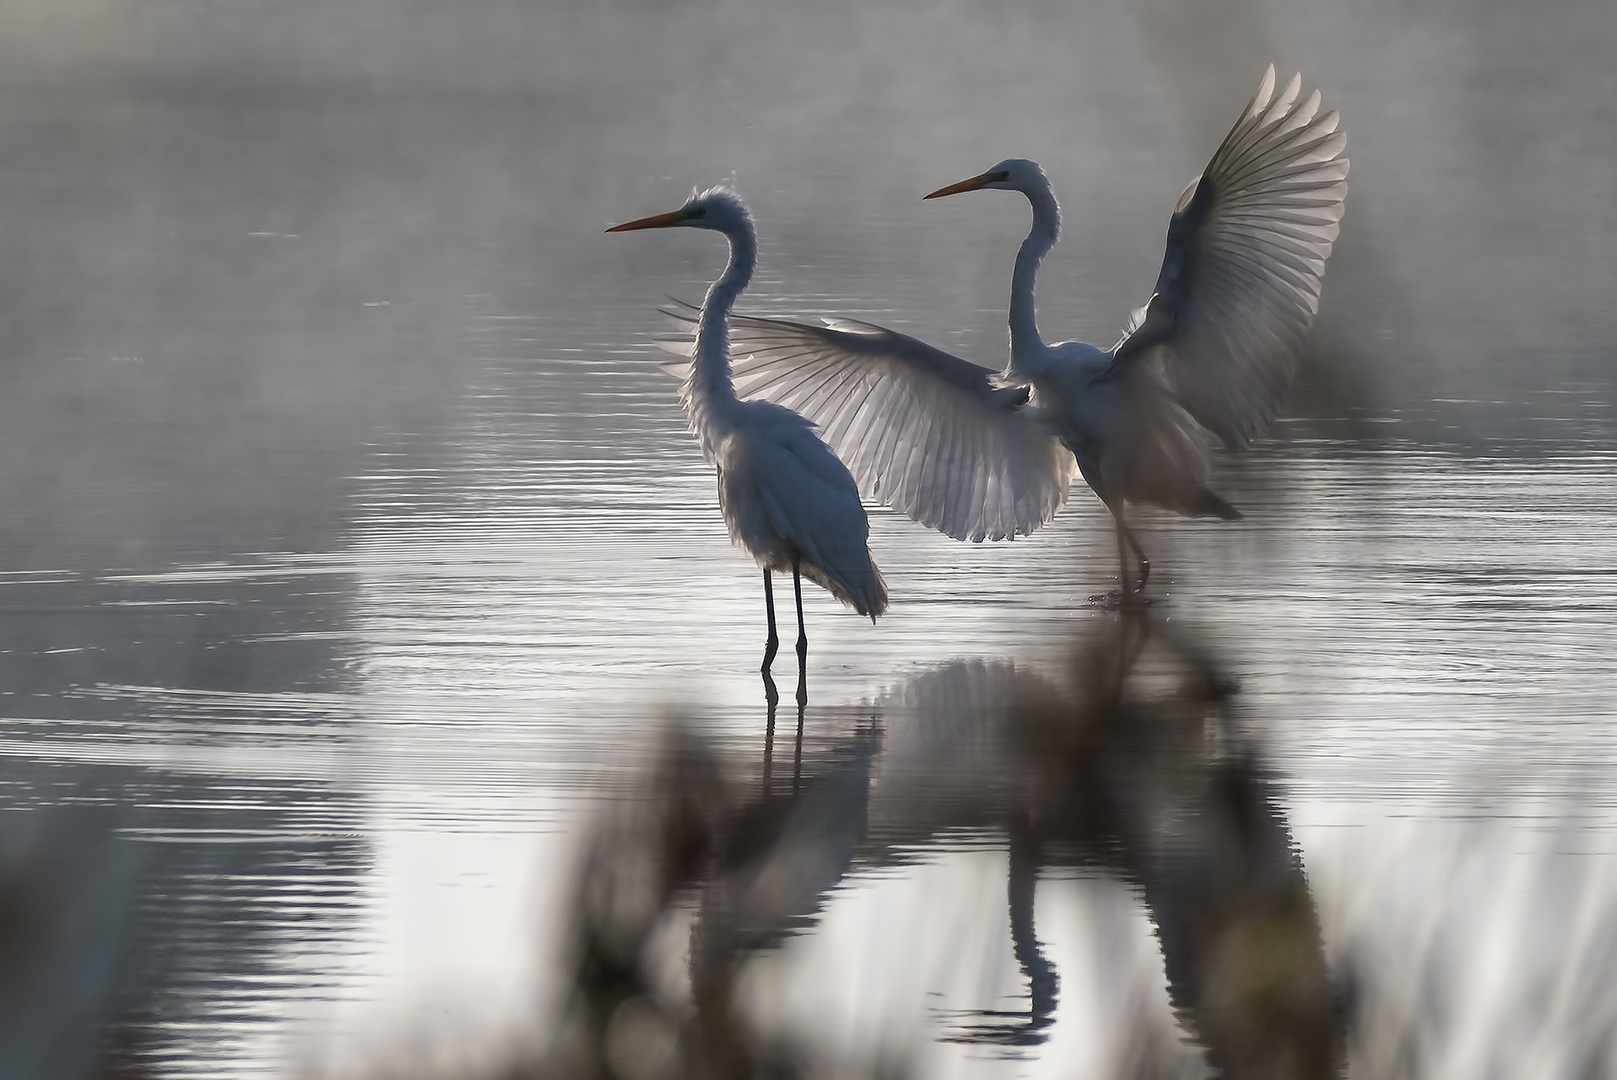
(772, 707)
(1133, 766)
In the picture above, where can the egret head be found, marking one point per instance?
(717, 208)
(1012, 174)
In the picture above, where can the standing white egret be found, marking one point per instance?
(786, 498)
(977, 454)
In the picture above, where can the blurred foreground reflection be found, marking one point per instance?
(1141, 895)
(65, 904)
(1132, 767)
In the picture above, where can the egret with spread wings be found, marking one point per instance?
(785, 497)
(979, 454)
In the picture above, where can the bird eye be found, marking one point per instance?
(700, 211)
(1003, 175)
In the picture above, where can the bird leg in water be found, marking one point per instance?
(772, 645)
(1126, 533)
(802, 636)
(1126, 593)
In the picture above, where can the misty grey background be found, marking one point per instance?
(421, 151)
(344, 505)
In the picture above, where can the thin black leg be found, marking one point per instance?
(1127, 541)
(772, 645)
(802, 637)
(797, 593)
(1139, 553)
(1123, 588)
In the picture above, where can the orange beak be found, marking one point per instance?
(971, 184)
(655, 221)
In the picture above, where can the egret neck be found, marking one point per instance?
(709, 391)
(1029, 354)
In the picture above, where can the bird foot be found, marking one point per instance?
(1116, 600)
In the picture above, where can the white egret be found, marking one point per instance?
(978, 454)
(786, 498)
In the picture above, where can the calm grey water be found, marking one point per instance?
(356, 554)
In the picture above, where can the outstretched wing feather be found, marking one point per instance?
(1240, 278)
(922, 430)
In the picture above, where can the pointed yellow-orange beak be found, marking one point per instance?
(971, 184)
(655, 221)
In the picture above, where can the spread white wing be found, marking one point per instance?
(1240, 279)
(922, 430)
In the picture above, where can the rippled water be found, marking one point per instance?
(359, 557)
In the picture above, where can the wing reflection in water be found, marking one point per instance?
(1132, 766)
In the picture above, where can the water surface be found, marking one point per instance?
(358, 555)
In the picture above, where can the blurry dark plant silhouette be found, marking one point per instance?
(1136, 764)
(66, 897)
(1133, 767)
(1492, 954)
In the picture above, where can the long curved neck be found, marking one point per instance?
(708, 389)
(1028, 351)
